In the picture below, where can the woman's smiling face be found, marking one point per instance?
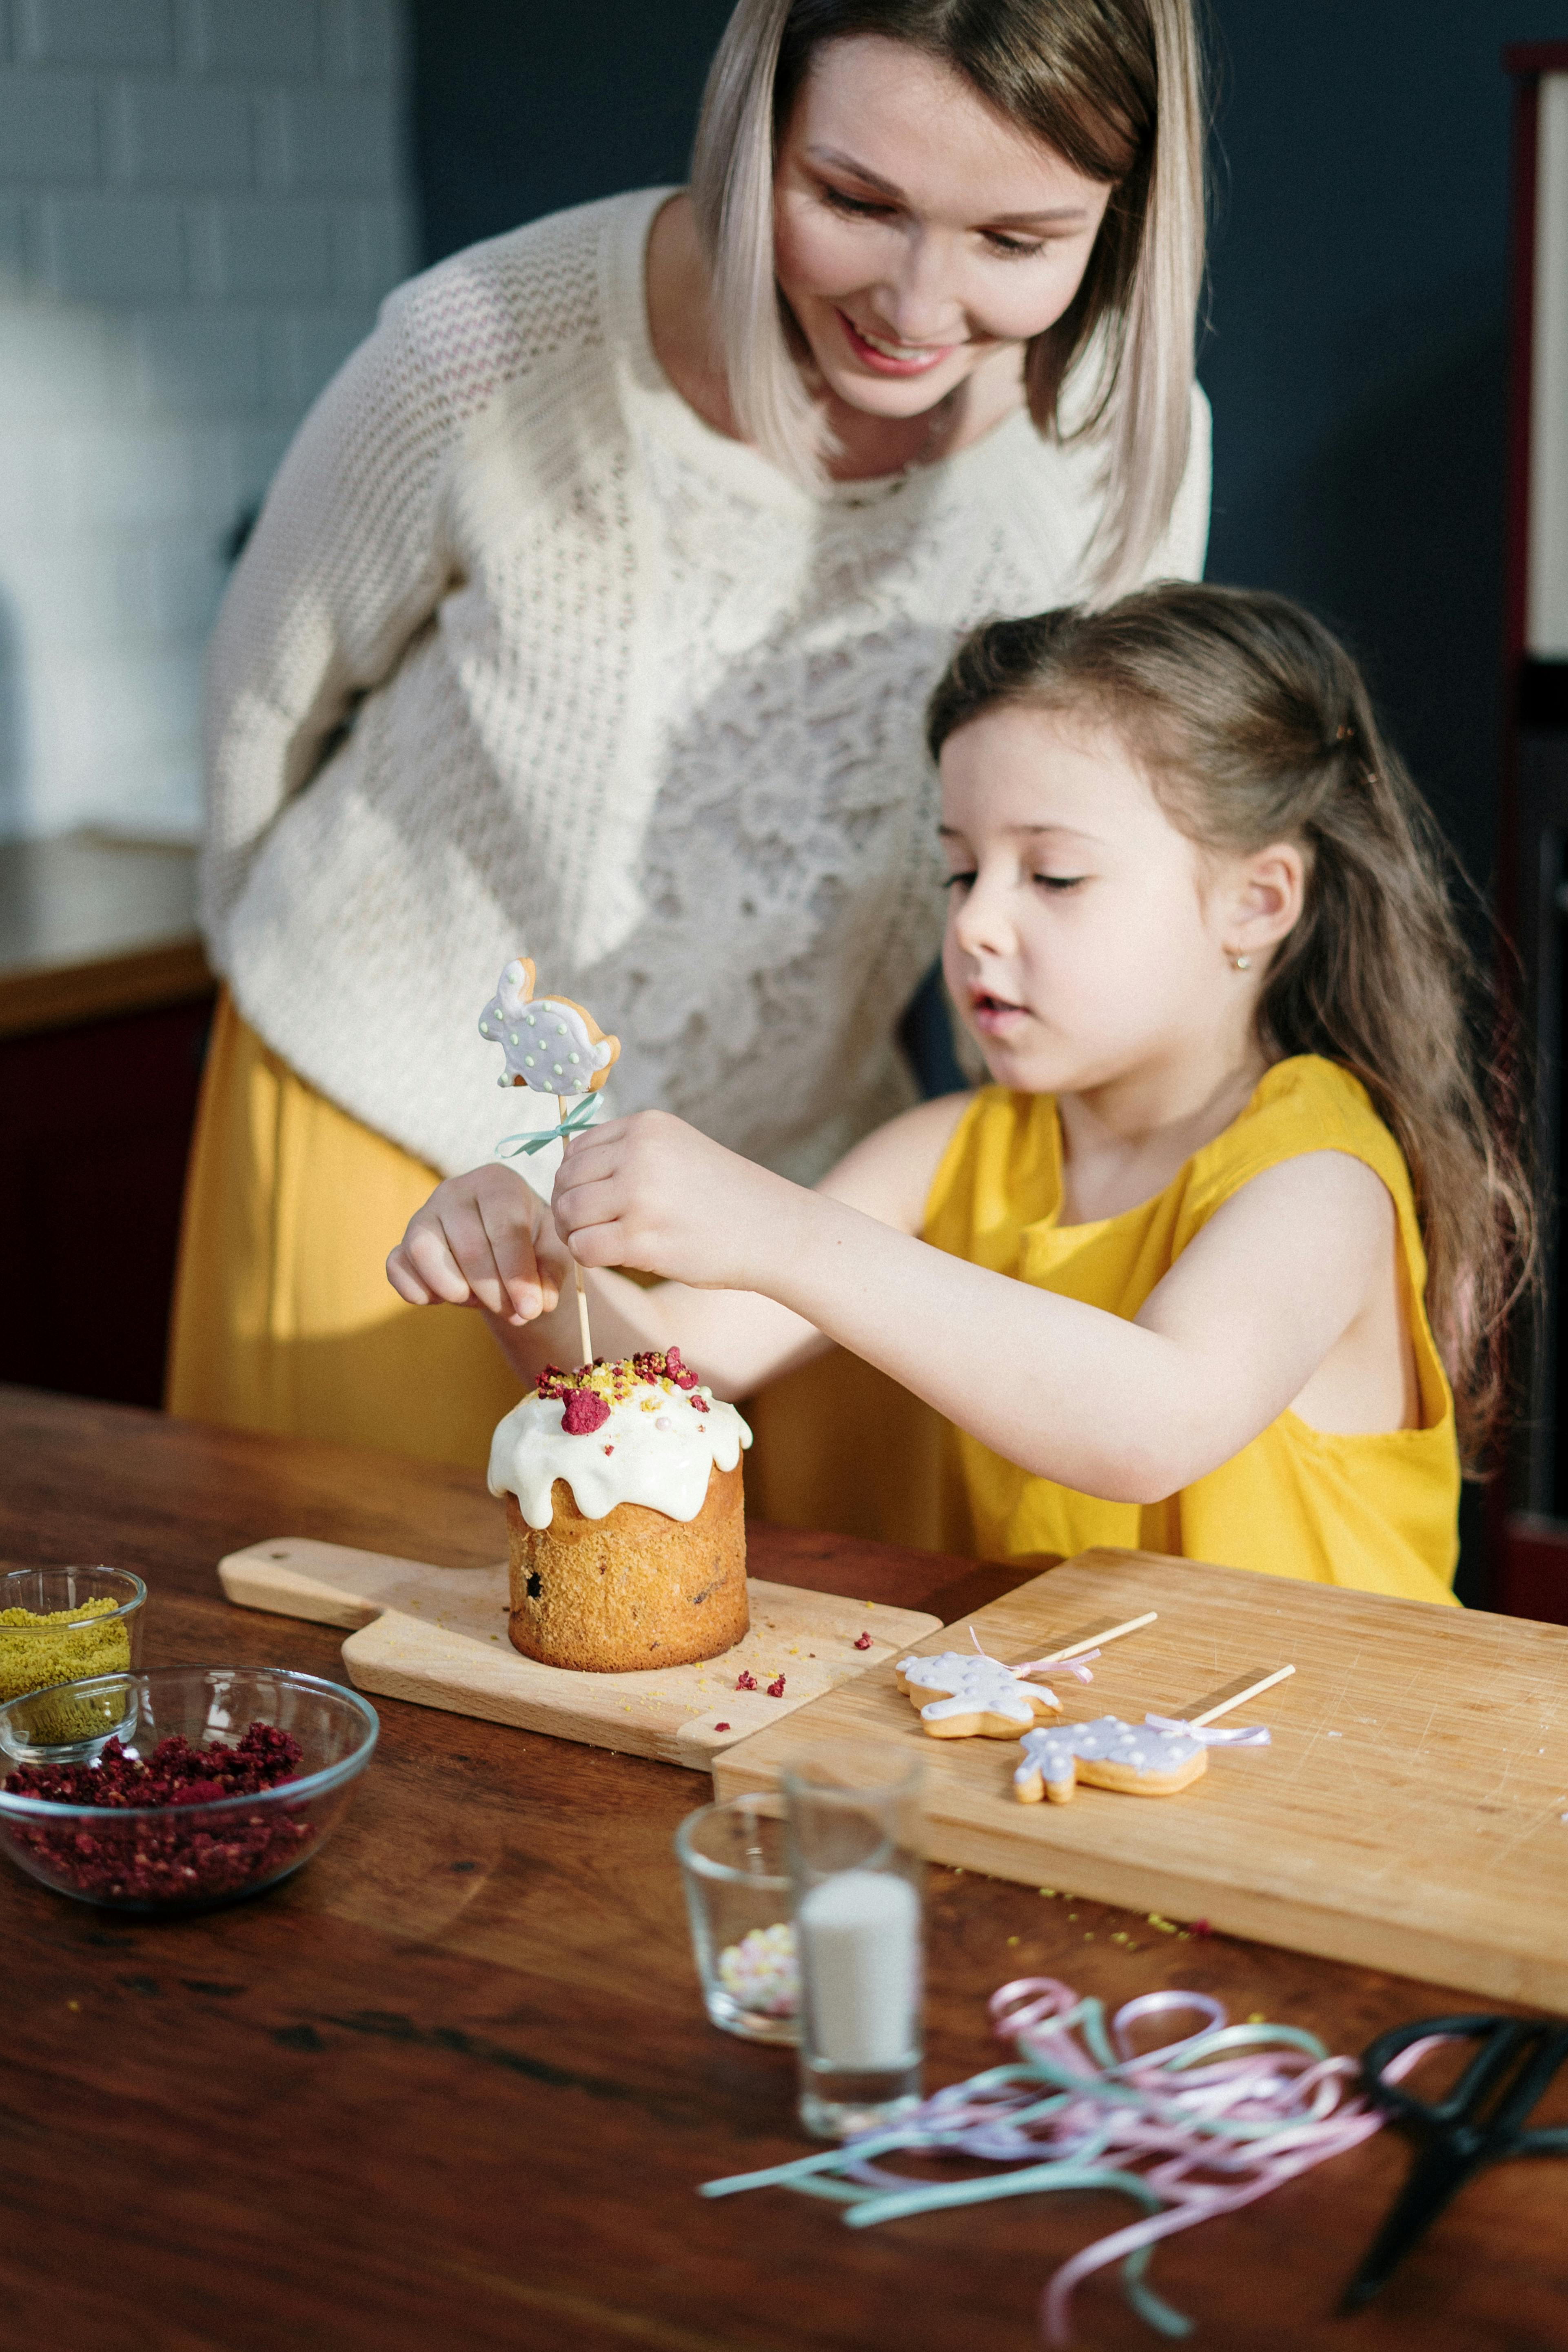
(1084, 934)
(917, 232)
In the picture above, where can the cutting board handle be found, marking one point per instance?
(326, 1583)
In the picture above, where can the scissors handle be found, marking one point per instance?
(1530, 2088)
(1462, 2116)
(1516, 2062)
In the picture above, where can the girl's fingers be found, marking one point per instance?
(404, 1281)
(425, 1254)
(580, 1206)
(451, 1257)
(516, 1259)
(612, 1131)
(469, 1243)
(585, 1164)
(605, 1244)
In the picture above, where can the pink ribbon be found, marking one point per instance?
(1191, 2127)
(1078, 1665)
(1254, 1736)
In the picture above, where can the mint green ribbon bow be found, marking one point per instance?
(572, 1124)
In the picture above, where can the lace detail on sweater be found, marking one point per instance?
(604, 706)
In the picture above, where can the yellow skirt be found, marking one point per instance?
(284, 1321)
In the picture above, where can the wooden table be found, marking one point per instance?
(453, 2084)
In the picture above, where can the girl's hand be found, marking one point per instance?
(482, 1240)
(650, 1193)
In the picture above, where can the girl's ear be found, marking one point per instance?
(1263, 900)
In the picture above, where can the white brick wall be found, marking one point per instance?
(201, 204)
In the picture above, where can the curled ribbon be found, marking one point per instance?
(1187, 2128)
(572, 1124)
(1254, 1734)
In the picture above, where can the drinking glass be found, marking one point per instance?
(738, 1899)
(854, 1849)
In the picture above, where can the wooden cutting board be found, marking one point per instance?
(1409, 1814)
(438, 1635)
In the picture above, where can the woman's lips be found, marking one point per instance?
(911, 359)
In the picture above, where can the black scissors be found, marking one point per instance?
(1480, 2122)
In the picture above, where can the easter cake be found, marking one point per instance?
(625, 1521)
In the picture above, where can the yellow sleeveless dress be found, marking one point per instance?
(1378, 1513)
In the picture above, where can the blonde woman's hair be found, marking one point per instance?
(1112, 86)
(1255, 726)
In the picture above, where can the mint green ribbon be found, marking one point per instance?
(572, 1124)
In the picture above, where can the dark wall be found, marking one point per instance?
(1355, 354)
(521, 107)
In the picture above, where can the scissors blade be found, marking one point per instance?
(1436, 2179)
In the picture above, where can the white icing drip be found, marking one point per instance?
(662, 1463)
(977, 1685)
(526, 1026)
(1108, 1739)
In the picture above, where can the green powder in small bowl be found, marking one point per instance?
(57, 1625)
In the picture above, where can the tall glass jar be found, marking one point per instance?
(854, 1849)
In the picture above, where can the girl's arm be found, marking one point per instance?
(347, 560)
(1129, 1410)
(484, 1239)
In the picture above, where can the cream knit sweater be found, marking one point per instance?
(524, 657)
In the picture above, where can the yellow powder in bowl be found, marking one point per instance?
(34, 1655)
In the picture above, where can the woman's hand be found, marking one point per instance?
(482, 1240)
(650, 1193)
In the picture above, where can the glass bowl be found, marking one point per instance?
(181, 1856)
(34, 1657)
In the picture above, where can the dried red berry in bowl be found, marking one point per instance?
(183, 1808)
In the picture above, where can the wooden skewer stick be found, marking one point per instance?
(1094, 1637)
(1220, 1702)
(583, 1335)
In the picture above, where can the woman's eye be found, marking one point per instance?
(959, 881)
(1013, 248)
(858, 207)
(1060, 881)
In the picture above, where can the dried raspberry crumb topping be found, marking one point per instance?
(864, 1643)
(721, 1726)
(612, 1384)
(697, 1405)
(775, 1690)
(744, 1681)
(585, 1413)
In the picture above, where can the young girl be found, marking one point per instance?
(1211, 1265)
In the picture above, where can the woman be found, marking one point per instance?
(625, 538)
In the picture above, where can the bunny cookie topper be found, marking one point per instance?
(554, 1047)
(551, 1044)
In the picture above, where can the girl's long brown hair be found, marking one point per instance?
(1255, 726)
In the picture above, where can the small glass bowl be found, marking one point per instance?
(738, 1899)
(36, 1657)
(181, 1857)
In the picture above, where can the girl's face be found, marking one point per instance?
(1088, 941)
(917, 234)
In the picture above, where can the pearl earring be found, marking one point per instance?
(1241, 963)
